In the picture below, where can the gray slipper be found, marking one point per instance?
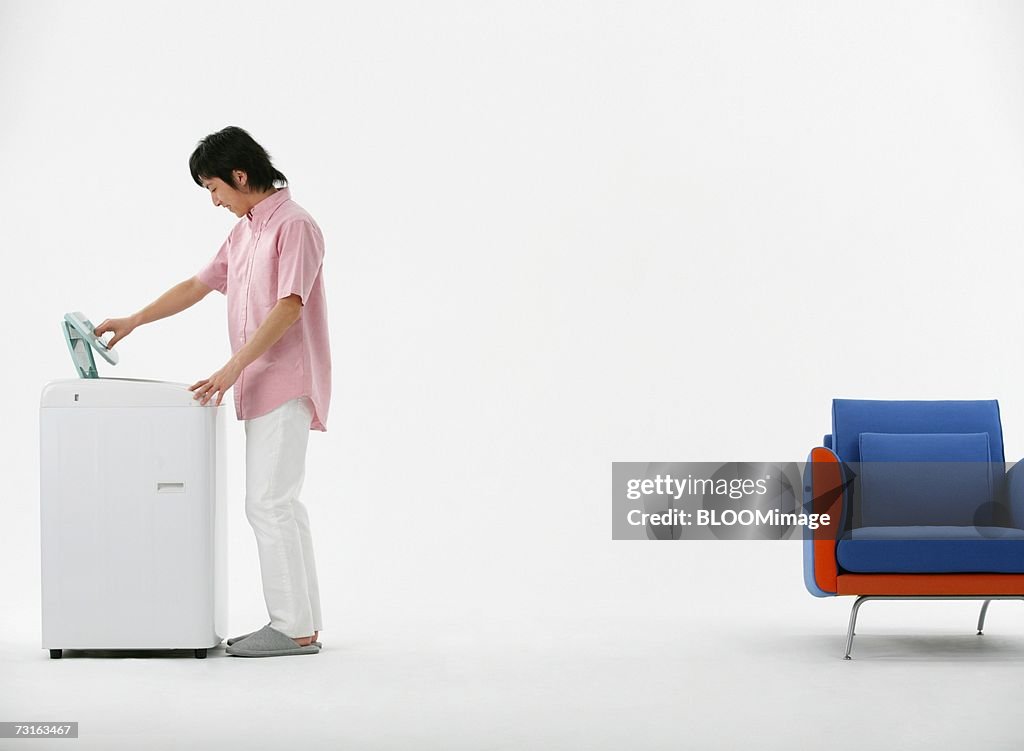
(269, 642)
(233, 639)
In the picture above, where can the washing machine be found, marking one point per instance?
(132, 503)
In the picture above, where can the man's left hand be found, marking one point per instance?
(217, 384)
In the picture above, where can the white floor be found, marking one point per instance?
(704, 674)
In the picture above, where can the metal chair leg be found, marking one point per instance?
(864, 598)
(981, 618)
(853, 623)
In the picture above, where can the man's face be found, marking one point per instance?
(228, 196)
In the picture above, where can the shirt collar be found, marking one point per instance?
(261, 212)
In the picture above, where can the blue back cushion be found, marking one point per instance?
(929, 479)
(851, 417)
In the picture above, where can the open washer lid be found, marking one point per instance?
(82, 340)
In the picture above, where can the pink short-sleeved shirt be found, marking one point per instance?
(274, 251)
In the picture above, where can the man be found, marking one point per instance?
(270, 269)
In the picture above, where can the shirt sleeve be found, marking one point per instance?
(215, 274)
(301, 254)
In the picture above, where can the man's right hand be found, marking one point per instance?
(121, 327)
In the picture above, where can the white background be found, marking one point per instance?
(558, 235)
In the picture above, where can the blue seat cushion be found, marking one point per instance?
(932, 550)
(932, 479)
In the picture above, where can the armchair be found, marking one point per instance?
(920, 505)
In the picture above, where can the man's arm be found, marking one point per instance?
(176, 299)
(285, 313)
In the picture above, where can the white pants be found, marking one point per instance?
(275, 466)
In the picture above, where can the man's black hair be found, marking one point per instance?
(220, 153)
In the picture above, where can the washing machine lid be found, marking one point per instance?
(81, 337)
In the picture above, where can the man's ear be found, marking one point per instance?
(241, 178)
